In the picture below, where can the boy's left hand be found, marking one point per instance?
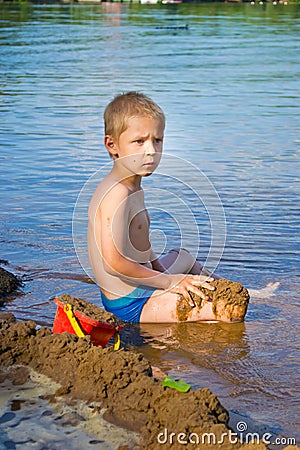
(203, 282)
(190, 283)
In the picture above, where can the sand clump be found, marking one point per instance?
(90, 310)
(9, 283)
(121, 380)
(229, 301)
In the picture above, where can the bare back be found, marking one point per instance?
(117, 217)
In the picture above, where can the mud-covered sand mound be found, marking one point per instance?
(9, 283)
(121, 380)
(229, 301)
(90, 310)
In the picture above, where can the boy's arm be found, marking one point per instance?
(114, 216)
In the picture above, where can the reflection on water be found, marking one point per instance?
(230, 88)
(204, 343)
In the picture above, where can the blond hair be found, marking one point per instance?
(125, 106)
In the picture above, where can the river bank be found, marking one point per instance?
(153, 2)
(31, 416)
(58, 388)
(122, 381)
(117, 386)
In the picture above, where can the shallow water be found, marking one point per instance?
(229, 85)
(29, 421)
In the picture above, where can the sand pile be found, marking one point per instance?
(90, 310)
(229, 299)
(9, 283)
(121, 380)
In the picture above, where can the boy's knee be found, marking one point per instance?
(184, 256)
(184, 261)
(179, 250)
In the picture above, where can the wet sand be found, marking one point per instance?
(33, 417)
(58, 388)
(229, 299)
(120, 383)
(9, 283)
(89, 309)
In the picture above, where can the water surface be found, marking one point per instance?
(229, 85)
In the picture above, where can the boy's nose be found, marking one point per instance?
(150, 148)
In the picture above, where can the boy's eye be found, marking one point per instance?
(139, 141)
(158, 141)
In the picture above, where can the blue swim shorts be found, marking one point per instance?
(129, 307)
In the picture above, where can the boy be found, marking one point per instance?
(136, 285)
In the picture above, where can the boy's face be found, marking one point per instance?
(140, 146)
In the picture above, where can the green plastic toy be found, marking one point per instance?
(179, 385)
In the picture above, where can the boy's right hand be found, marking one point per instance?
(182, 284)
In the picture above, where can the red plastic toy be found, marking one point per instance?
(72, 321)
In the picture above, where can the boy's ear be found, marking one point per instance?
(110, 145)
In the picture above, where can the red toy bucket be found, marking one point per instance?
(74, 322)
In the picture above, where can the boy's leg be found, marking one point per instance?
(181, 261)
(161, 307)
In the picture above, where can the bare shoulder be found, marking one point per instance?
(114, 194)
(107, 197)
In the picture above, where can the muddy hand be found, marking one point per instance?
(186, 284)
(202, 281)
